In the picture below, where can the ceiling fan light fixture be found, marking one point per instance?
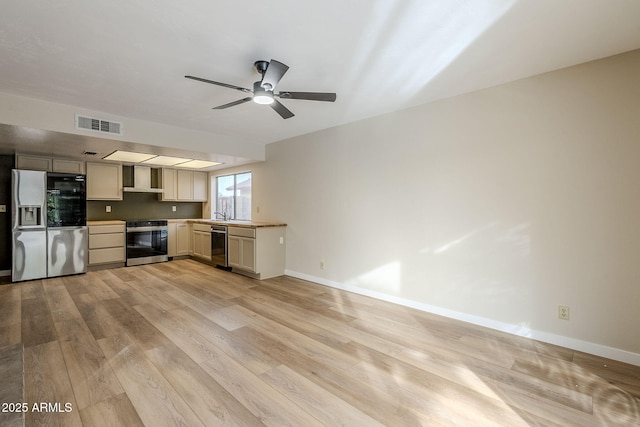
(263, 99)
(263, 90)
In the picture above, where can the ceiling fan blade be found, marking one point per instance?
(309, 96)
(273, 74)
(219, 84)
(281, 109)
(231, 104)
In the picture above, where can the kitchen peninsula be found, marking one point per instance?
(254, 248)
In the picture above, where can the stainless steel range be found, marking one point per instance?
(147, 241)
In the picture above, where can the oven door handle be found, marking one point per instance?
(142, 229)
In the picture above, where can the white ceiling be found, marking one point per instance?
(129, 58)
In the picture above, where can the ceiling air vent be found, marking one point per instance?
(98, 125)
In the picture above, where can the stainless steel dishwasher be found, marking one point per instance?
(219, 256)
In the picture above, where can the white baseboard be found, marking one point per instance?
(568, 342)
(5, 273)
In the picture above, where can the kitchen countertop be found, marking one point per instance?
(246, 224)
(108, 222)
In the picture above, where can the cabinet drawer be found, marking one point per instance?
(202, 227)
(97, 241)
(242, 232)
(103, 256)
(104, 229)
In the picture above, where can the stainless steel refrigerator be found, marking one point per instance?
(48, 224)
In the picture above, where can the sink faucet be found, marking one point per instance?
(222, 214)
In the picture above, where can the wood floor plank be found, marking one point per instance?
(91, 375)
(47, 383)
(387, 408)
(126, 292)
(157, 293)
(32, 289)
(419, 389)
(11, 316)
(182, 343)
(102, 290)
(154, 399)
(208, 399)
(99, 321)
(296, 318)
(135, 325)
(37, 321)
(60, 303)
(263, 401)
(12, 386)
(192, 324)
(327, 408)
(114, 412)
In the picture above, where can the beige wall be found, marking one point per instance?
(39, 114)
(493, 207)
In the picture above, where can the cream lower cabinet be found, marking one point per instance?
(202, 241)
(106, 244)
(183, 239)
(242, 253)
(178, 239)
(258, 252)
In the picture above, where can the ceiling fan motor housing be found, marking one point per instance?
(261, 66)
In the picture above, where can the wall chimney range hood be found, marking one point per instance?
(139, 179)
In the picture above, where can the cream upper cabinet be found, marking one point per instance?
(200, 186)
(169, 179)
(34, 163)
(104, 181)
(185, 185)
(48, 164)
(68, 166)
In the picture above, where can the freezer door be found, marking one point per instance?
(67, 250)
(29, 189)
(29, 255)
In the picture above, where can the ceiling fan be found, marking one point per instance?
(263, 90)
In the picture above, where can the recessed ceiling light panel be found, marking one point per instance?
(128, 156)
(166, 161)
(198, 164)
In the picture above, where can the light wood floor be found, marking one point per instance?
(181, 343)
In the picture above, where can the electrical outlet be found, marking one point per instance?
(563, 312)
(3, 208)
(107, 208)
(322, 264)
(173, 208)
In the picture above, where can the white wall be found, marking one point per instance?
(493, 207)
